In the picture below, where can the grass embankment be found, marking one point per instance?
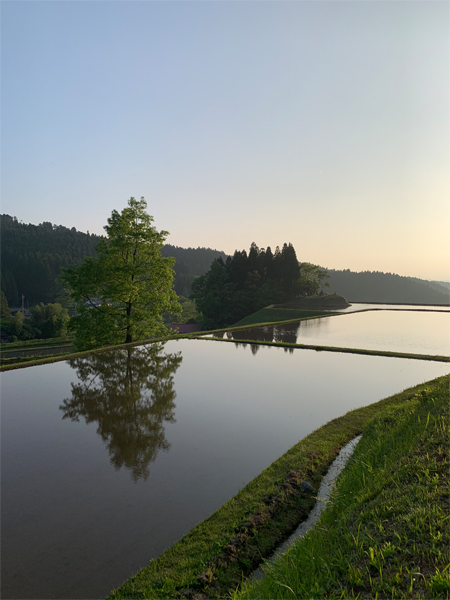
(386, 531)
(287, 345)
(326, 301)
(36, 342)
(274, 315)
(33, 349)
(32, 361)
(212, 559)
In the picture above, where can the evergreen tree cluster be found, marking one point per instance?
(245, 283)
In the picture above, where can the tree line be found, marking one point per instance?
(247, 282)
(33, 255)
(374, 286)
(32, 258)
(45, 321)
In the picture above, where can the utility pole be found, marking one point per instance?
(23, 304)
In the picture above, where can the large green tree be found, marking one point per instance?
(122, 295)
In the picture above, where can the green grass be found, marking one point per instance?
(19, 360)
(35, 349)
(326, 302)
(212, 559)
(35, 343)
(274, 315)
(386, 531)
(34, 361)
(363, 351)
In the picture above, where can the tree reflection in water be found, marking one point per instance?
(130, 393)
(287, 333)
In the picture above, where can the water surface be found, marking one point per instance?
(398, 331)
(364, 306)
(109, 460)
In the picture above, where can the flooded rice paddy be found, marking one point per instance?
(109, 460)
(378, 306)
(406, 331)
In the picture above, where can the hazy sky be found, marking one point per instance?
(324, 124)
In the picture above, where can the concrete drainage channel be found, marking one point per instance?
(325, 489)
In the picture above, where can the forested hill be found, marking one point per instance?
(32, 257)
(190, 263)
(373, 286)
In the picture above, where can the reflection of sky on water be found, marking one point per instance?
(399, 331)
(75, 523)
(357, 306)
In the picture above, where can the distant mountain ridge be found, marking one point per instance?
(440, 286)
(32, 257)
(190, 263)
(375, 286)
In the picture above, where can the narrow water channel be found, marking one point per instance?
(323, 495)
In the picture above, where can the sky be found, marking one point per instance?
(321, 123)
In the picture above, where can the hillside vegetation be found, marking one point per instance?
(33, 255)
(374, 286)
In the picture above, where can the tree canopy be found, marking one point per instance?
(49, 320)
(32, 257)
(244, 283)
(122, 295)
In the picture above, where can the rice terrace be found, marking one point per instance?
(174, 467)
(254, 402)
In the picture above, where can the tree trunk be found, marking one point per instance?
(129, 337)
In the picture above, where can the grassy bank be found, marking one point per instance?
(36, 342)
(32, 361)
(386, 531)
(211, 560)
(287, 345)
(274, 315)
(33, 350)
(318, 302)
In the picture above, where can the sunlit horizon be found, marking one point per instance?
(324, 124)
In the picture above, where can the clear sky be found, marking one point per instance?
(321, 123)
